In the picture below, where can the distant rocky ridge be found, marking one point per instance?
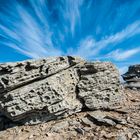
(132, 77)
(35, 91)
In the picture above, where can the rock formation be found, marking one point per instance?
(132, 77)
(37, 91)
(87, 96)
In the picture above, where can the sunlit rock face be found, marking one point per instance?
(132, 77)
(37, 91)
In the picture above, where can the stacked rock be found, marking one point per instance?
(132, 77)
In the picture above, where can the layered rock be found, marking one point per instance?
(99, 85)
(35, 91)
(132, 77)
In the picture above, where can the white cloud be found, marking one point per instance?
(123, 70)
(31, 39)
(120, 55)
(85, 46)
(26, 35)
(97, 46)
(71, 13)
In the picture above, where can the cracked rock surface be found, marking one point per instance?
(36, 91)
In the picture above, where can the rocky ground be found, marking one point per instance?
(119, 124)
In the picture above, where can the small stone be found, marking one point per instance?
(124, 128)
(87, 122)
(123, 121)
(31, 136)
(87, 129)
(118, 126)
(103, 133)
(36, 134)
(59, 126)
(128, 119)
(109, 135)
(129, 135)
(80, 130)
(122, 137)
(98, 117)
(74, 123)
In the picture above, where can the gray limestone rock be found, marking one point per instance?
(100, 118)
(99, 85)
(35, 91)
(132, 77)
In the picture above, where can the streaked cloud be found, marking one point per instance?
(26, 35)
(71, 13)
(104, 30)
(94, 47)
(120, 55)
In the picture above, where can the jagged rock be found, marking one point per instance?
(132, 77)
(35, 91)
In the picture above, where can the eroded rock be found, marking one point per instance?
(65, 130)
(132, 77)
(37, 91)
(99, 86)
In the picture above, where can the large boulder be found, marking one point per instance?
(132, 77)
(35, 91)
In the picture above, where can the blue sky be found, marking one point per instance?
(106, 30)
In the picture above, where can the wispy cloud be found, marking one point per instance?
(45, 28)
(71, 13)
(26, 35)
(84, 47)
(32, 33)
(120, 55)
(94, 47)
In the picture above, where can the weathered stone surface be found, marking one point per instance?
(99, 85)
(67, 128)
(13, 75)
(132, 77)
(41, 90)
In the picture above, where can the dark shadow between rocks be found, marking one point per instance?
(6, 123)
